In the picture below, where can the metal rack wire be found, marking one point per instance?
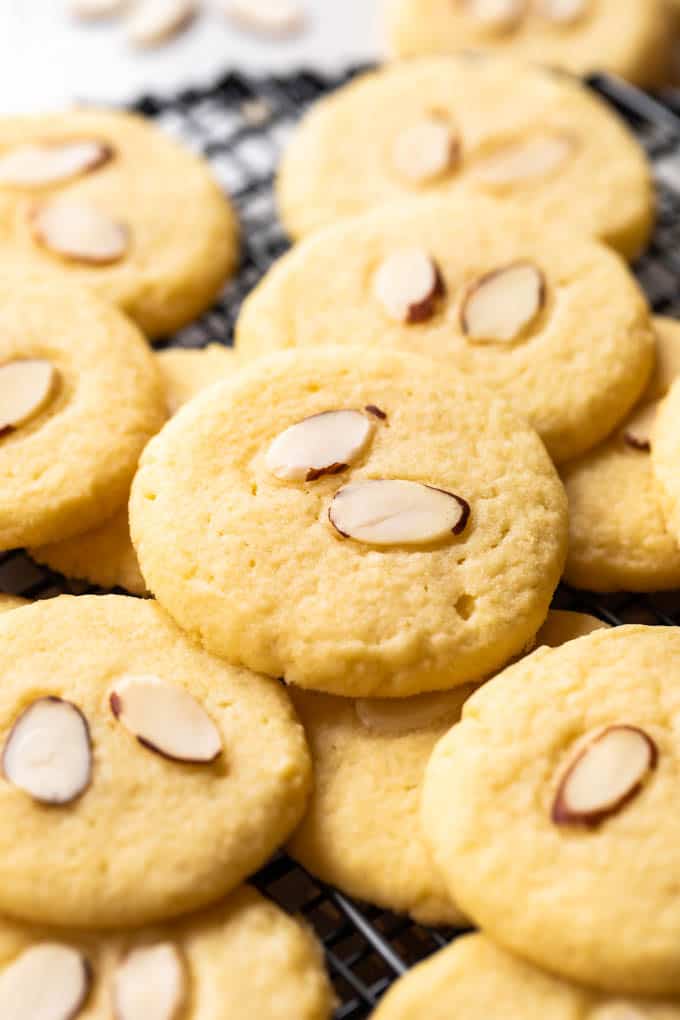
(241, 124)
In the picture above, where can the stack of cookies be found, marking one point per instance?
(450, 394)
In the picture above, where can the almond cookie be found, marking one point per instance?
(665, 448)
(8, 602)
(105, 556)
(310, 518)
(495, 296)
(369, 758)
(473, 979)
(632, 40)
(618, 535)
(577, 779)
(112, 202)
(153, 776)
(80, 395)
(241, 959)
(497, 127)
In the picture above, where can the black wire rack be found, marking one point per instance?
(241, 125)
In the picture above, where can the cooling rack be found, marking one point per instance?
(241, 125)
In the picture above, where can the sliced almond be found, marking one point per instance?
(407, 285)
(637, 432)
(34, 166)
(395, 512)
(619, 1010)
(267, 17)
(150, 983)
(498, 14)
(165, 718)
(48, 752)
(562, 12)
(48, 981)
(524, 161)
(500, 306)
(154, 21)
(78, 231)
(394, 717)
(606, 773)
(25, 389)
(425, 151)
(324, 444)
(91, 9)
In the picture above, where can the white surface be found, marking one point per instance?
(48, 60)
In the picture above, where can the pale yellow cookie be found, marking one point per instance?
(665, 447)
(618, 535)
(361, 831)
(554, 323)
(496, 126)
(631, 39)
(240, 960)
(473, 979)
(111, 201)
(8, 602)
(351, 552)
(80, 395)
(146, 777)
(105, 556)
(548, 809)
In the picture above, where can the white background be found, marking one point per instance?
(48, 60)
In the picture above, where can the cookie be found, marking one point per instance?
(633, 41)
(110, 201)
(473, 979)
(618, 535)
(80, 395)
(547, 810)
(8, 602)
(162, 777)
(665, 448)
(496, 296)
(309, 518)
(493, 127)
(369, 758)
(105, 556)
(240, 959)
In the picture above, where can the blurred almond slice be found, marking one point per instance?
(150, 984)
(91, 9)
(152, 22)
(48, 981)
(267, 17)
(34, 166)
(501, 305)
(637, 432)
(25, 388)
(407, 285)
(425, 150)
(79, 231)
(524, 161)
(562, 12)
(501, 14)
(397, 512)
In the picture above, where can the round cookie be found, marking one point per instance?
(8, 602)
(369, 759)
(144, 816)
(632, 40)
(547, 809)
(665, 445)
(243, 958)
(80, 395)
(618, 535)
(497, 127)
(496, 296)
(358, 575)
(111, 201)
(105, 556)
(473, 979)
